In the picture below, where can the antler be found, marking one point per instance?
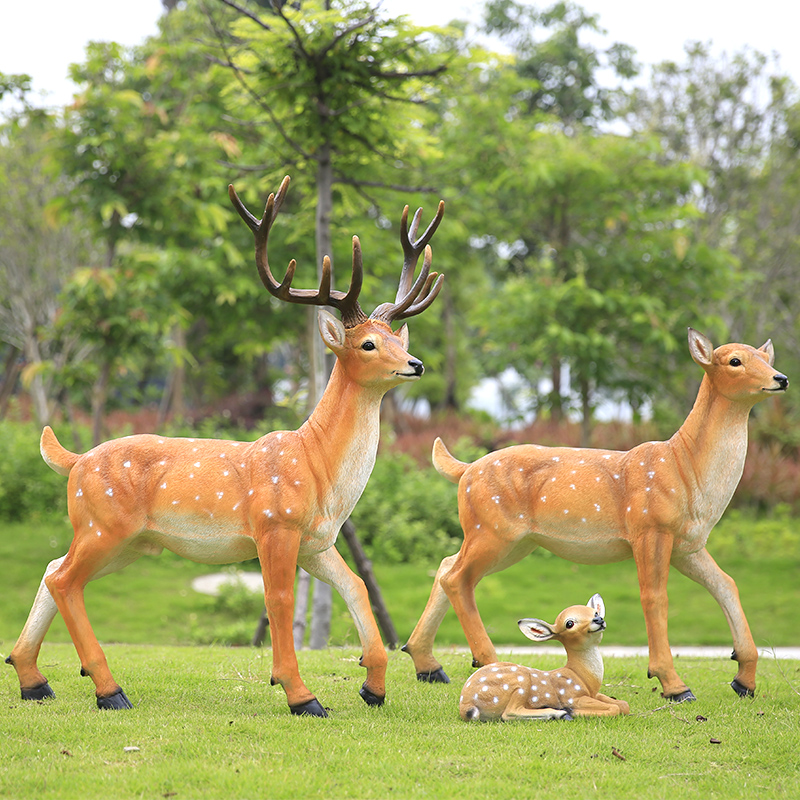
(411, 300)
(345, 302)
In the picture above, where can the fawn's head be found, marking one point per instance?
(576, 627)
(738, 372)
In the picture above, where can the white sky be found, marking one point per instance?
(42, 38)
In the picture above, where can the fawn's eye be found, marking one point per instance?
(570, 623)
(735, 362)
(368, 345)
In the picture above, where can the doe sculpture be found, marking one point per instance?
(656, 503)
(282, 498)
(509, 691)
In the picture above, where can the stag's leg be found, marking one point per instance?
(599, 706)
(34, 685)
(277, 552)
(90, 557)
(652, 552)
(702, 568)
(330, 567)
(420, 644)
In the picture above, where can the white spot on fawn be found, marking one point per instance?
(274, 478)
(126, 464)
(110, 492)
(164, 485)
(79, 493)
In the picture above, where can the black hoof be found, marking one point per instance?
(41, 692)
(370, 698)
(683, 697)
(567, 717)
(310, 709)
(114, 702)
(741, 689)
(435, 676)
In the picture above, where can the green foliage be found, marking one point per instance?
(407, 514)
(29, 490)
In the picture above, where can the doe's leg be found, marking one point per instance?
(702, 568)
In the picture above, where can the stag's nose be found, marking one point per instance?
(416, 365)
(781, 380)
(599, 621)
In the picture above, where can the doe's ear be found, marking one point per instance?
(331, 330)
(700, 347)
(536, 629)
(769, 351)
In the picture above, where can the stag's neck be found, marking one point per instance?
(712, 445)
(588, 666)
(344, 428)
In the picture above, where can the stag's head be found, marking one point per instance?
(366, 346)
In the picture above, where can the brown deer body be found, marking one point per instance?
(508, 691)
(282, 498)
(656, 504)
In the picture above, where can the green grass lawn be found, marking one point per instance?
(207, 724)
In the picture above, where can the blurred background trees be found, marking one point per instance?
(595, 209)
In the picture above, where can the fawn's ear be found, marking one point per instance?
(769, 351)
(331, 330)
(700, 347)
(596, 602)
(536, 629)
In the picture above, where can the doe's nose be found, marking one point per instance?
(418, 368)
(781, 380)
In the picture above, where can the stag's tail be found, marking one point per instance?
(56, 457)
(445, 464)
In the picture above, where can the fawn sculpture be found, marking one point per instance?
(656, 503)
(282, 498)
(509, 691)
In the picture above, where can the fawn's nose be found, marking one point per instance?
(782, 381)
(418, 368)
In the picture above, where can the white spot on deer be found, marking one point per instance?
(482, 679)
(97, 469)
(552, 480)
(543, 498)
(223, 455)
(577, 688)
(161, 441)
(520, 691)
(99, 533)
(478, 527)
(126, 464)
(226, 472)
(110, 492)
(641, 463)
(267, 513)
(534, 698)
(583, 519)
(496, 462)
(279, 436)
(569, 680)
(288, 510)
(556, 458)
(175, 502)
(661, 460)
(572, 486)
(628, 509)
(484, 688)
(219, 495)
(164, 485)
(597, 506)
(570, 701)
(294, 461)
(496, 498)
(250, 492)
(197, 463)
(606, 456)
(647, 488)
(505, 687)
(235, 444)
(263, 449)
(616, 477)
(562, 691)
(651, 474)
(191, 474)
(597, 479)
(581, 461)
(280, 453)
(274, 478)
(162, 463)
(91, 523)
(566, 511)
(79, 493)
(194, 449)
(297, 483)
(495, 700)
(197, 497)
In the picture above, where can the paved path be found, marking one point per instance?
(209, 584)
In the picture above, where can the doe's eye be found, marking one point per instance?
(570, 623)
(735, 362)
(368, 345)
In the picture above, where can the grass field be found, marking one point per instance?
(207, 724)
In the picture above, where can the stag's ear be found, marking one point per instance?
(701, 348)
(596, 603)
(536, 629)
(402, 334)
(331, 330)
(769, 351)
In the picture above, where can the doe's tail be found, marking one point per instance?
(56, 457)
(445, 463)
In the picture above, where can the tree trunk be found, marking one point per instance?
(556, 407)
(586, 413)
(11, 370)
(99, 397)
(450, 399)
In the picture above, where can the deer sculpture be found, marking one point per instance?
(282, 498)
(509, 691)
(656, 503)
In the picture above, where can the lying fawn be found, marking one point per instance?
(656, 504)
(510, 691)
(282, 498)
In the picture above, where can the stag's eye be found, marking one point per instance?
(735, 362)
(368, 345)
(570, 623)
